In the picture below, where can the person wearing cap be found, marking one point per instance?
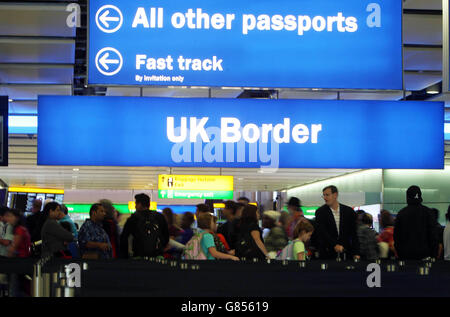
(335, 232)
(414, 233)
(276, 239)
(296, 214)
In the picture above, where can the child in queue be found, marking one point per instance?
(303, 231)
(207, 225)
(296, 250)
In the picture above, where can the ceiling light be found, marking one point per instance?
(432, 92)
(76, 169)
(10, 100)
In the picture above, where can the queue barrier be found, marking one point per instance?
(150, 277)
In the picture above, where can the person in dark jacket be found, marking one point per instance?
(414, 234)
(439, 231)
(367, 238)
(335, 227)
(131, 229)
(226, 229)
(236, 226)
(34, 222)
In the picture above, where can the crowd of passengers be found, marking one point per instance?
(335, 231)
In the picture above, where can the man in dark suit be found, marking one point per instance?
(336, 227)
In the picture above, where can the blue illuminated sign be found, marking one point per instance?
(347, 44)
(250, 133)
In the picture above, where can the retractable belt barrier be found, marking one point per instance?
(252, 278)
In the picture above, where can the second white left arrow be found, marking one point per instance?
(108, 61)
(104, 61)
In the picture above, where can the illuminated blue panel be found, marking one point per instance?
(250, 133)
(180, 209)
(22, 124)
(349, 44)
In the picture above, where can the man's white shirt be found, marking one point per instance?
(336, 214)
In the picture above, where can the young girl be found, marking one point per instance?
(303, 231)
(207, 225)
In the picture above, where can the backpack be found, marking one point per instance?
(287, 252)
(193, 249)
(148, 233)
(246, 247)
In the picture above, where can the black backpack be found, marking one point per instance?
(148, 233)
(246, 247)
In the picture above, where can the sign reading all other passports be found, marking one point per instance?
(195, 187)
(249, 133)
(348, 44)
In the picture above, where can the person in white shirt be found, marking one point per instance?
(336, 227)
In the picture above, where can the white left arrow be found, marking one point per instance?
(104, 18)
(104, 61)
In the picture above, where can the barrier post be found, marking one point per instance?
(46, 284)
(37, 280)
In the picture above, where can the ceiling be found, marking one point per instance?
(40, 55)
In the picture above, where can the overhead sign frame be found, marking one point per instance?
(4, 130)
(446, 46)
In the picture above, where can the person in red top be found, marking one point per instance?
(19, 248)
(21, 245)
(387, 235)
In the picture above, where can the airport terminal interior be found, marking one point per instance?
(95, 108)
